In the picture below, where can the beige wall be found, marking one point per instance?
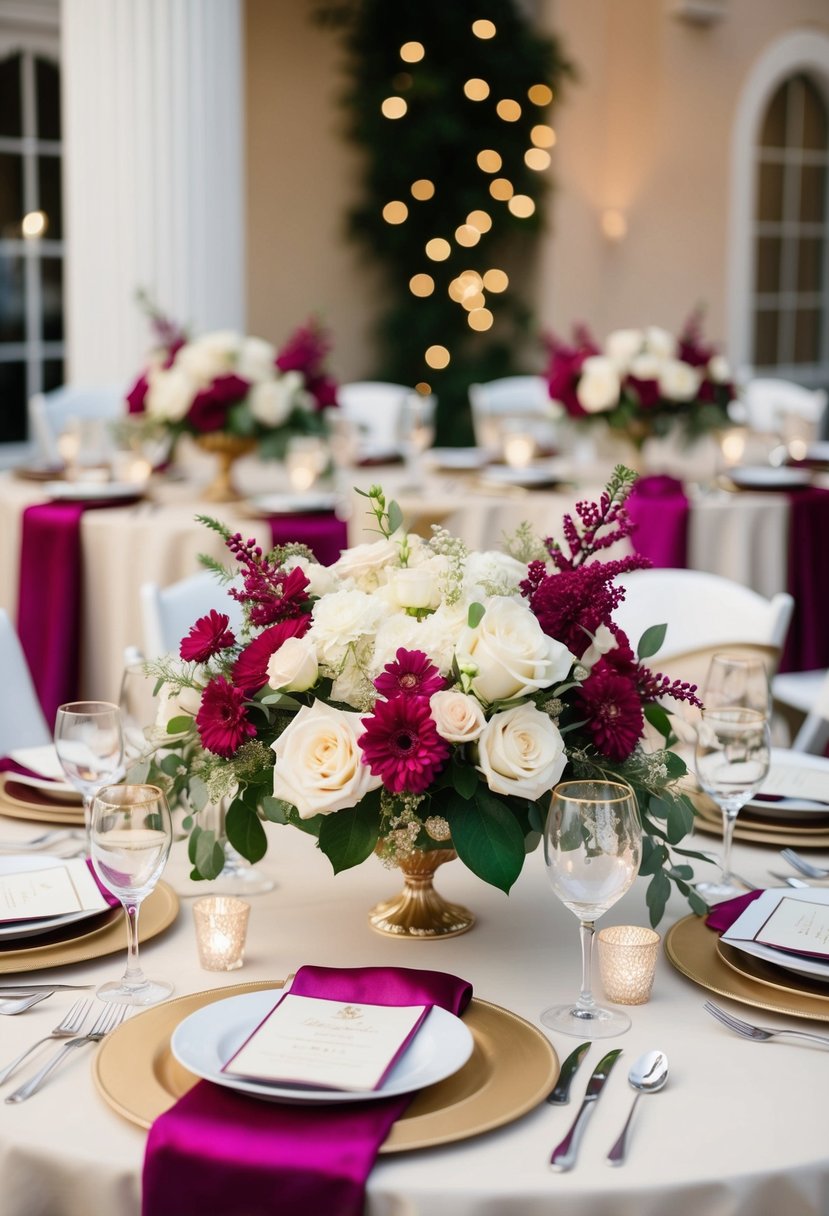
(646, 129)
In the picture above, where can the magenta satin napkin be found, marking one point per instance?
(221, 1151)
(723, 915)
(324, 533)
(659, 508)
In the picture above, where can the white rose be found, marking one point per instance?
(622, 345)
(436, 635)
(170, 393)
(176, 705)
(492, 573)
(365, 563)
(271, 401)
(319, 764)
(659, 342)
(339, 620)
(209, 356)
(256, 360)
(417, 588)
(679, 381)
(320, 579)
(645, 367)
(512, 653)
(293, 667)
(718, 369)
(521, 752)
(599, 385)
(459, 718)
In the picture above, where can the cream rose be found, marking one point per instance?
(209, 356)
(512, 654)
(718, 369)
(320, 579)
(459, 718)
(256, 360)
(416, 588)
(176, 705)
(660, 342)
(319, 766)
(364, 563)
(272, 401)
(622, 345)
(170, 393)
(679, 381)
(294, 667)
(599, 385)
(521, 752)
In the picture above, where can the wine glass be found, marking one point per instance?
(130, 837)
(137, 704)
(89, 742)
(592, 847)
(417, 431)
(739, 681)
(732, 761)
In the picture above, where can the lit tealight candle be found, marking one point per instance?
(519, 449)
(221, 928)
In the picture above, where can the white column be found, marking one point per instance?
(154, 174)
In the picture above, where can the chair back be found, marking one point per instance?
(22, 723)
(377, 412)
(167, 613)
(813, 735)
(514, 400)
(51, 413)
(770, 404)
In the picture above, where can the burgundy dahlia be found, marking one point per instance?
(250, 671)
(412, 674)
(611, 705)
(207, 637)
(402, 746)
(211, 406)
(222, 722)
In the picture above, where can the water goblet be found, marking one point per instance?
(737, 681)
(592, 847)
(89, 742)
(732, 761)
(131, 836)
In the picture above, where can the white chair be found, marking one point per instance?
(777, 405)
(51, 413)
(376, 410)
(523, 399)
(807, 692)
(168, 613)
(22, 723)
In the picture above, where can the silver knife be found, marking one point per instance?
(564, 1156)
(561, 1094)
(22, 989)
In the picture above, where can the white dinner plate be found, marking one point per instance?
(763, 477)
(294, 504)
(207, 1039)
(533, 475)
(794, 807)
(92, 491)
(457, 458)
(755, 916)
(46, 769)
(35, 928)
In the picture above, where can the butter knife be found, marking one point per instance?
(560, 1096)
(564, 1155)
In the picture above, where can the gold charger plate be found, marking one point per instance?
(158, 912)
(512, 1068)
(18, 802)
(753, 832)
(773, 977)
(691, 947)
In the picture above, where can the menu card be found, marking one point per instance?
(313, 1041)
(794, 781)
(36, 894)
(798, 927)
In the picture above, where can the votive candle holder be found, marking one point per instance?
(627, 962)
(221, 929)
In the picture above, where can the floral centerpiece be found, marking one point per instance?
(418, 697)
(643, 382)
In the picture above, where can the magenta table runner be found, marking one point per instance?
(218, 1150)
(659, 509)
(807, 644)
(324, 533)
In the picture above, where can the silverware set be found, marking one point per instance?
(69, 1028)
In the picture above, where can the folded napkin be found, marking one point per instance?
(323, 532)
(659, 508)
(218, 1150)
(723, 915)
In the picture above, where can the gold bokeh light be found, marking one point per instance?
(423, 189)
(479, 220)
(508, 110)
(421, 284)
(467, 236)
(438, 249)
(543, 136)
(496, 280)
(480, 319)
(437, 357)
(423, 388)
(540, 94)
(474, 301)
(538, 159)
(476, 89)
(501, 189)
(412, 52)
(483, 28)
(395, 212)
(394, 107)
(489, 160)
(521, 206)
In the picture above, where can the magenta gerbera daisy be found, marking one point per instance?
(221, 721)
(411, 674)
(207, 637)
(402, 746)
(613, 711)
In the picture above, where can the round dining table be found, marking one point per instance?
(739, 1129)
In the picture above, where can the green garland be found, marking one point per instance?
(438, 140)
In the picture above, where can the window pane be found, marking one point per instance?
(12, 402)
(810, 264)
(12, 304)
(768, 263)
(52, 374)
(47, 86)
(773, 134)
(765, 337)
(51, 279)
(770, 192)
(815, 135)
(807, 335)
(11, 194)
(48, 169)
(11, 113)
(812, 193)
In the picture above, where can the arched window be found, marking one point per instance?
(31, 231)
(791, 226)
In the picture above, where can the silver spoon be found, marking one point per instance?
(647, 1075)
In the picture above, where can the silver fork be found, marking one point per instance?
(760, 1033)
(66, 1028)
(802, 865)
(37, 843)
(111, 1017)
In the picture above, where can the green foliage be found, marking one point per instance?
(651, 641)
(487, 837)
(438, 140)
(350, 836)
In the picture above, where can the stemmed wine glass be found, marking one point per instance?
(417, 431)
(592, 847)
(732, 761)
(130, 837)
(89, 742)
(739, 681)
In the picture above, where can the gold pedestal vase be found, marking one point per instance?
(228, 449)
(419, 911)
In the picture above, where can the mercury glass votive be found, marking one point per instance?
(221, 928)
(518, 448)
(627, 961)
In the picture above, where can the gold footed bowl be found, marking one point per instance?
(419, 911)
(228, 448)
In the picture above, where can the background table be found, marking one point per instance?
(740, 1129)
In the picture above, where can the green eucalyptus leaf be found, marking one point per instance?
(657, 896)
(210, 856)
(187, 823)
(395, 516)
(275, 810)
(651, 641)
(680, 822)
(245, 832)
(198, 794)
(653, 856)
(349, 836)
(171, 765)
(475, 615)
(192, 843)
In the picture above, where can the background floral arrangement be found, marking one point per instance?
(226, 383)
(418, 695)
(643, 382)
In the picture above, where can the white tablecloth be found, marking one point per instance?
(740, 1129)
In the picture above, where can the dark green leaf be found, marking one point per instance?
(171, 765)
(697, 903)
(681, 872)
(193, 842)
(651, 640)
(475, 615)
(657, 895)
(245, 832)
(275, 809)
(488, 839)
(350, 836)
(464, 779)
(537, 817)
(680, 822)
(653, 856)
(659, 807)
(659, 719)
(210, 856)
(675, 765)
